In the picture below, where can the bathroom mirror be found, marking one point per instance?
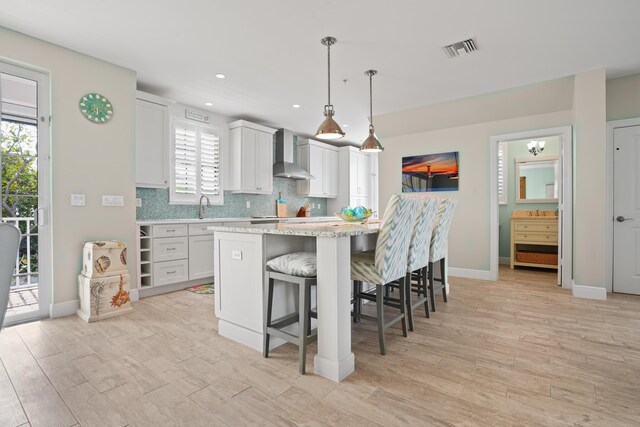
(537, 180)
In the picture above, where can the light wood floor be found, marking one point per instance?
(519, 351)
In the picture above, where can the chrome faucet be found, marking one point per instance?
(201, 212)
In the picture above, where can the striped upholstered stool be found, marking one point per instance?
(385, 265)
(439, 248)
(297, 269)
(419, 256)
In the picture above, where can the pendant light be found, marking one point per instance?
(371, 144)
(329, 129)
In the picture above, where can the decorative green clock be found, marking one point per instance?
(96, 108)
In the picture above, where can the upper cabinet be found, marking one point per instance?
(358, 183)
(251, 158)
(321, 161)
(152, 141)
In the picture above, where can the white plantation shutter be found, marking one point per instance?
(502, 173)
(209, 163)
(196, 164)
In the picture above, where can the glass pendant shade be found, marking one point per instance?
(329, 129)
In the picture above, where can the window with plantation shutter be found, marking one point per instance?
(196, 164)
(502, 173)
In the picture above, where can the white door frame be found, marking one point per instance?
(608, 238)
(565, 205)
(45, 273)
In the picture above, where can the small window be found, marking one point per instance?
(502, 173)
(196, 164)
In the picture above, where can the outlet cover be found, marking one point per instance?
(112, 200)
(78, 200)
(248, 204)
(236, 255)
(138, 202)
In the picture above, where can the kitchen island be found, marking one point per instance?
(241, 253)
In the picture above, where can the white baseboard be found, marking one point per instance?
(591, 292)
(468, 273)
(62, 309)
(504, 260)
(133, 294)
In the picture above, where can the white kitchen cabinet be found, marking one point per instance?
(251, 158)
(358, 180)
(201, 256)
(359, 173)
(321, 161)
(152, 141)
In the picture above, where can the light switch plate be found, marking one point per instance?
(112, 200)
(78, 200)
(236, 255)
(138, 202)
(248, 204)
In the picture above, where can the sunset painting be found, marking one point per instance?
(430, 172)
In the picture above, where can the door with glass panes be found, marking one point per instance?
(24, 160)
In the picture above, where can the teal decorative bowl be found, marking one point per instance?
(357, 214)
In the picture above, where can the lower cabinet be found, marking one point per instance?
(169, 272)
(200, 257)
(174, 253)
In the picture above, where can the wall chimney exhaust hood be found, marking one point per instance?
(284, 167)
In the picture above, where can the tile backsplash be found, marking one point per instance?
(155, 203)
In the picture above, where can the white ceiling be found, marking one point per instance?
(272, 56)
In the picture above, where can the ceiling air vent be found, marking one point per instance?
(460, 48)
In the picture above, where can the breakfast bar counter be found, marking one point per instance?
(241, 253)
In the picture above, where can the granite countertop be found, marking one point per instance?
(239, 219)
(335, 229)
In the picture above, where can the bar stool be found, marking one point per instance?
(298, 269)
(439, 248)
(418, 257)
(385, 265)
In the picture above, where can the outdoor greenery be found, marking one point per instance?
(19, 165)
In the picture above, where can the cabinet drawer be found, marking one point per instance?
(170, 248)
(528, 237)
(200, 229)
(168, 272)
(170, 230)
(536, 226)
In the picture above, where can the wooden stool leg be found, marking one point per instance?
(423, 281)
(267, 306)
(303, 319)
(356, 301)
(444, 279)
(431, 293)
(408, 303)
(403, 309)
(380, 312)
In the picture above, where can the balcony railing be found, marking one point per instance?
(26, 271)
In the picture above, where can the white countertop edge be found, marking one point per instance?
(240, 219)
(321, 231)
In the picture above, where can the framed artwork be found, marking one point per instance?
(430, 172)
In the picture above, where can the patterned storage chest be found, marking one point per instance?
(104, 283)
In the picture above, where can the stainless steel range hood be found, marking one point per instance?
(284, 167)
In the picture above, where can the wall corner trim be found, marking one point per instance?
(590, 292)
(62, 309)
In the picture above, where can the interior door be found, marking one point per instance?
(626, 210)
(24, 166)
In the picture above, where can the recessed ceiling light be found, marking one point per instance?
(345, 126)
(208, 104)
(220, 76)
(296, 105)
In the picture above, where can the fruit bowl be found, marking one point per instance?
(357, 214)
